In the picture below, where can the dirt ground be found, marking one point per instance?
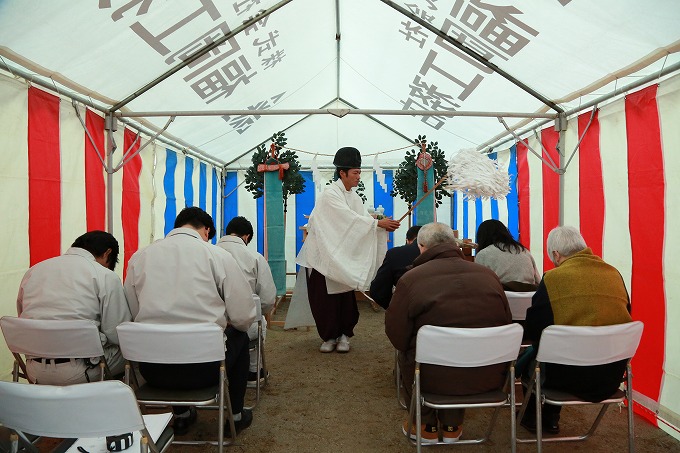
(336, 403)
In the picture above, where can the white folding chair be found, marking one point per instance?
(583, 346)
(466, 348)
(519, 302)
(84, 412)
(51, 339)
(180, 344)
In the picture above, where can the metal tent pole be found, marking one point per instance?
(334, 112)
(110, 125)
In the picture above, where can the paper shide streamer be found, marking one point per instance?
(476, 176)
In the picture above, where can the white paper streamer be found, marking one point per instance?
(476, 176)
(316, 174)
(379, 175)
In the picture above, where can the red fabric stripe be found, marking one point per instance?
(591, 188)
(130, 208)
(523, 195)
(44, 176)
(95, 190)
(551, 189)
(646, 195)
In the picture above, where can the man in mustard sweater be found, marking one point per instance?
(582, 290)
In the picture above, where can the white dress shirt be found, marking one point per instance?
(183, 279)
(74, 286)
(255, 268)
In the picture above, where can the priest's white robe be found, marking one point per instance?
(344, 244)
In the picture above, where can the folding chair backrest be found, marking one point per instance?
(462, 347)
(582, 346)
(96, 409)
(519, 302)
(171, 343)
(77, 338)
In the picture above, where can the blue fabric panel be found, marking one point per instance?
(213, 208)
(466, 206)
(494, 202)
(513, 197)
(304, 203)
(188, 184)
(230, 202)
(454, 210)
(202, 184)
(260, 225)
(479, 215)
(380, 197)
(169, 188)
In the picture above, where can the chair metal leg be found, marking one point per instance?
(513, 418)
(28, 444)
(144, 445)
(411, 413)
(419, 407)
(149, 445)
(220, 417)
(102, 370)
(264, 359)
(629, 401)
(260, 361)
(539, 421)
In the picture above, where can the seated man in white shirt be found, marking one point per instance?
(239, 233)
(184, 279)
(80, 284)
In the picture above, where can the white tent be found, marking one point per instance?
(217, 79)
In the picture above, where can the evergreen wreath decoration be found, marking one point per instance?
(293, 182)
(406, 177)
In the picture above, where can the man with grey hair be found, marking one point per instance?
(582, 290)
(443, 289)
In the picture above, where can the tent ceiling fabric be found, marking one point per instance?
(567, 50)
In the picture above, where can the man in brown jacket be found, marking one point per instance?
(443, 289)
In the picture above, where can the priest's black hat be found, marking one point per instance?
(347, 157)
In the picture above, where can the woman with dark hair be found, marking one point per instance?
(509, 259)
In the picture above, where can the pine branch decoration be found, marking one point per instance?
(293, 182)
(406, 176)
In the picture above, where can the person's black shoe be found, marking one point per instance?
(252, 378)
(246, 420)
(181, 424)
(551, 426)
(529, 424)
(548, 426)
